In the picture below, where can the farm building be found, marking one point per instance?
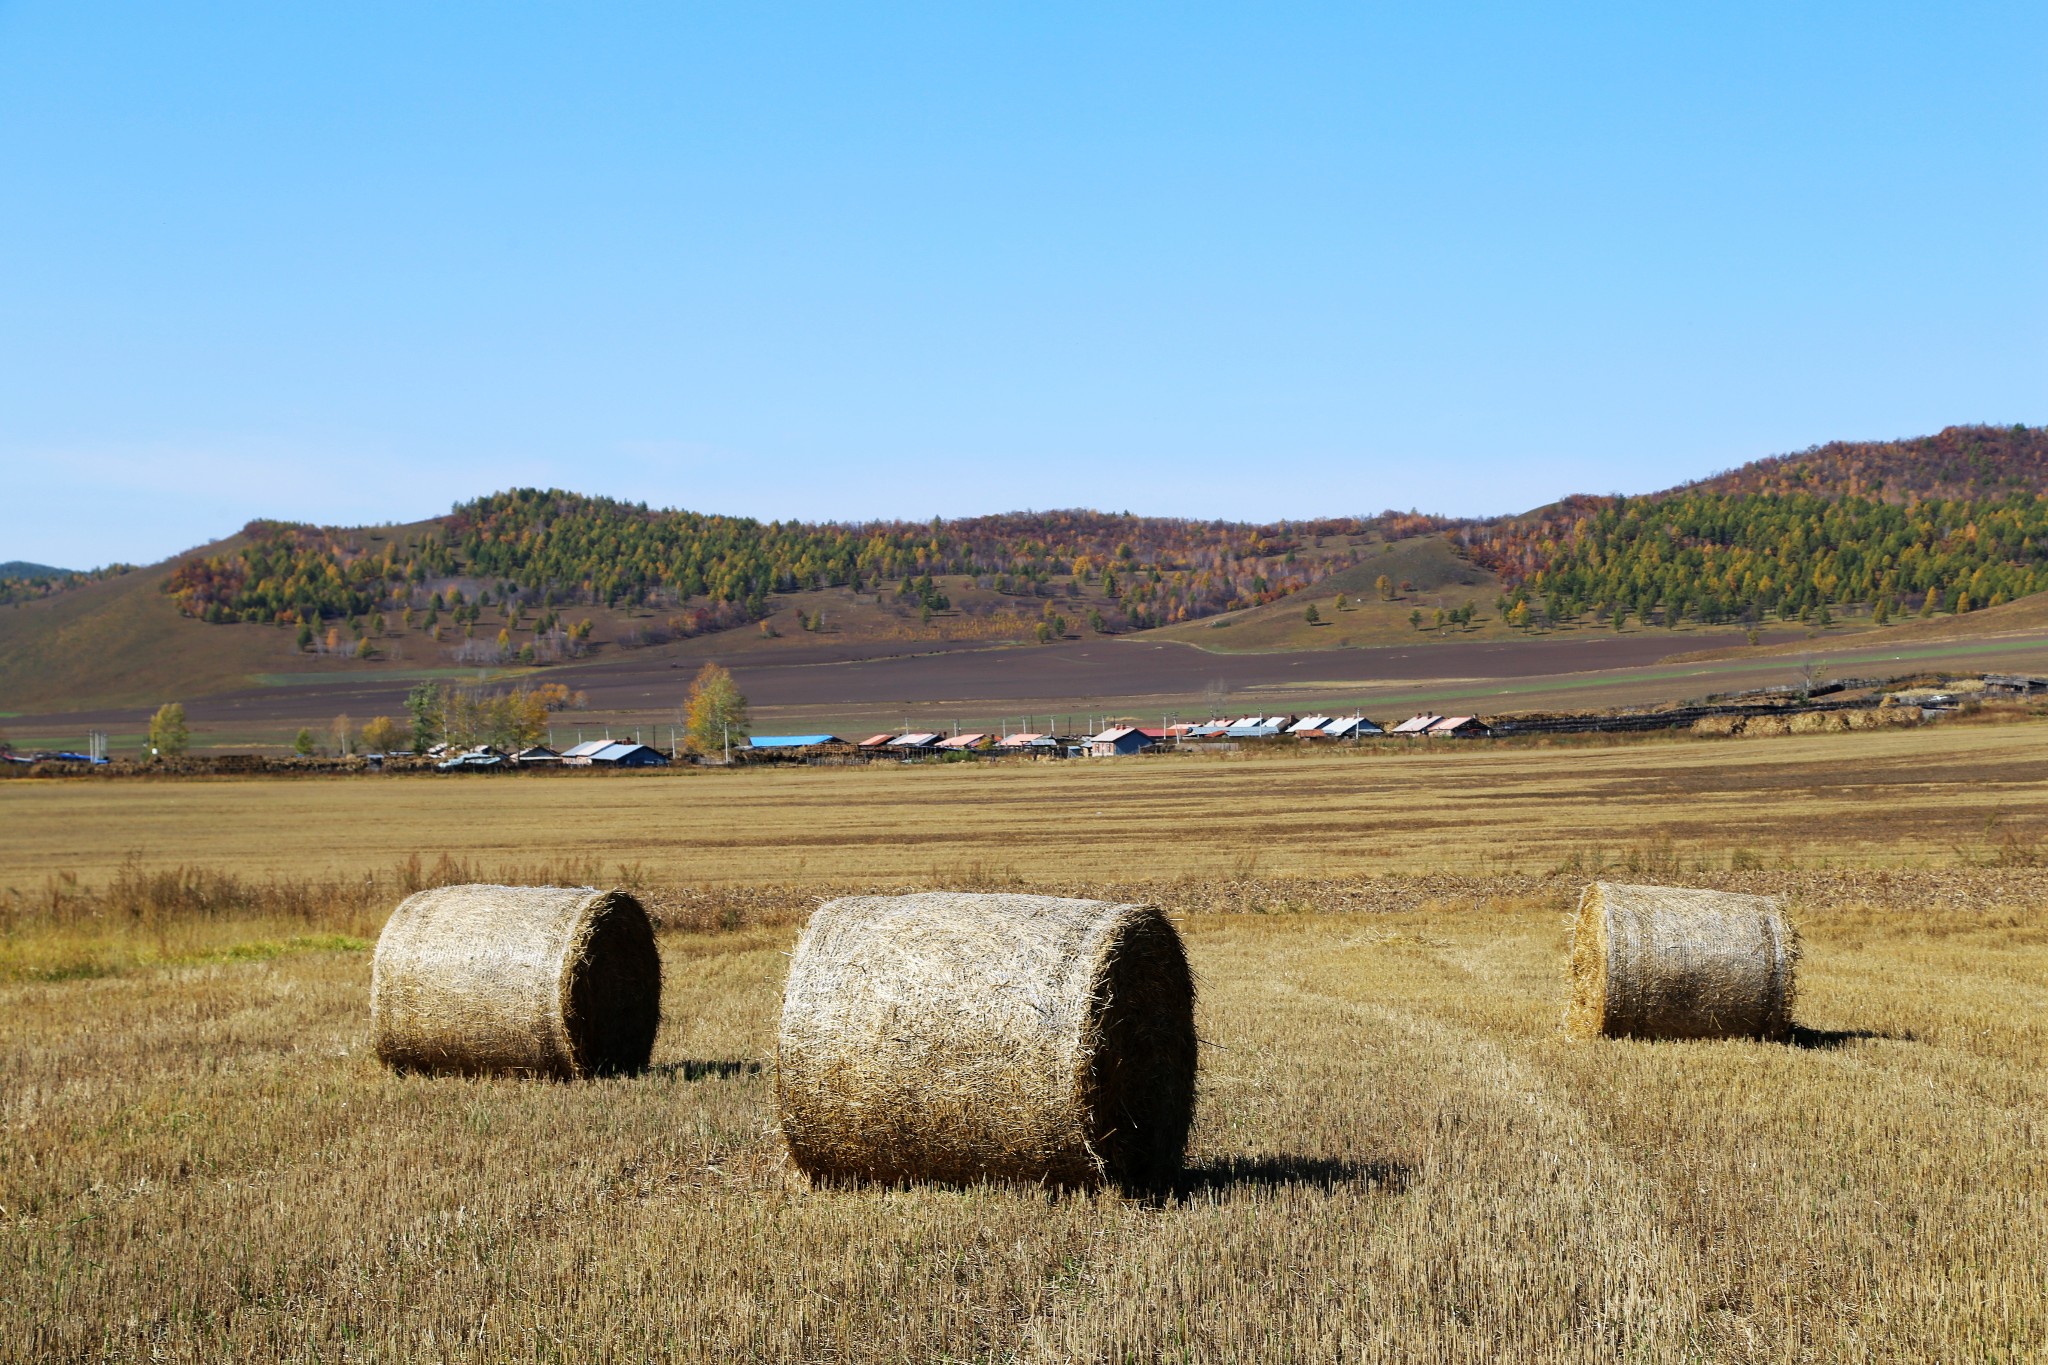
(916, 742)
(792, 741)
(535, 756)
(1255, 728)
(1308, 723)
(1032, 743)
(966, 744)
(1124, 739)
(1458, 727)
(1351, 727)
(1415, 725)
(614, 754)
(480, 759)
(874, 743)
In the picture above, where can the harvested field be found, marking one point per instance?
(1942, 795)
(1395, 1156)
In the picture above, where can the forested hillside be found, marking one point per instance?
(1944, 523)
(553, 549)
(1950, 522)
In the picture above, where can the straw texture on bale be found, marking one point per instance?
(957, 1037)
(539, 980)
(1671, 962)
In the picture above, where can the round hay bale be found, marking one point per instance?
(1671, 962)
(1764, 726)
(1715, 727)
(1818, 722)
(539, 980)
(955, 1037)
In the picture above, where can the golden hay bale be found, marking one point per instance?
(545, 980)
(1818, 722)
(1882, 717)
(1715, 726)
(957, 1037)
(1670, 962)
(1757, 726)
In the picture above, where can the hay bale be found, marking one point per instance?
(1883, 717)
(1764, 726)
(1716, 727)
(1670, 962)
(1818, 722)
(541, 980)
(955, 1038)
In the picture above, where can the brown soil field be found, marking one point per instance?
(857, 687)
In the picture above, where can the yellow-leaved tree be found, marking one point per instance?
(168, 735)
(715, 712)
(384, 735)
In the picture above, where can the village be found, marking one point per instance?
(1116, 740)
(1843, 704)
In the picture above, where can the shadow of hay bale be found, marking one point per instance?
(1828, 1039)
(1323, 1173)
(702, 1070)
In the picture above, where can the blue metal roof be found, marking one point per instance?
(791, 741)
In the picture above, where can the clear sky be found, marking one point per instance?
(348, 262)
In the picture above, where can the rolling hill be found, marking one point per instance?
(1936, 528)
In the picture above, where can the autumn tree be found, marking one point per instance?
(383, 735)
(715, 711)
(342, 731)
(1384, 586)
(168, 735)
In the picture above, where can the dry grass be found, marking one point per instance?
(1395, 1157)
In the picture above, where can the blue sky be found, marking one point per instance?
(356, 262)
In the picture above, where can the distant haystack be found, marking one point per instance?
(1670, 962)
(956, 1037)
(1882, 717)
(549, 981)
(1819, 722)
(1717, 726)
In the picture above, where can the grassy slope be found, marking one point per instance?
(1441, 579)
(122, 642)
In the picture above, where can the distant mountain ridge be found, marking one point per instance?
(1947, 523)
(21, 568)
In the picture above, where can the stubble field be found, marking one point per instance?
(1395, 1156)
